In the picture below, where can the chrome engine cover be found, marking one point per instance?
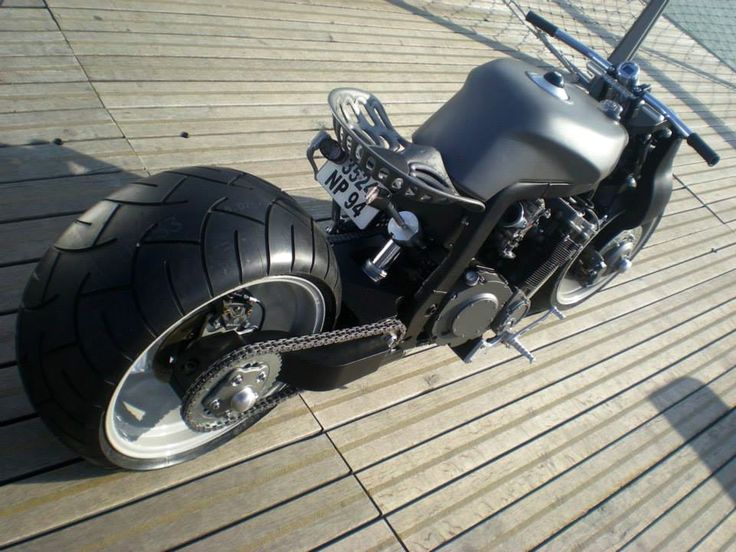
(472, 306)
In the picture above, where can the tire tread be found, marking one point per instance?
(113, 282)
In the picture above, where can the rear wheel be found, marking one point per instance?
(150, 287)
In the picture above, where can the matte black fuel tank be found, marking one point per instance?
(502, 127)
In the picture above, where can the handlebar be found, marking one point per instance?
(692, 138)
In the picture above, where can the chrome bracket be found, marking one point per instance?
(511, 339)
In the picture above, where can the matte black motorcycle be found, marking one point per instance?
(177, 312)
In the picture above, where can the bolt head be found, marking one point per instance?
(623, 266)
(244, 399)
(237, 380)
(472, 278)
(261, 377)
(215, 404)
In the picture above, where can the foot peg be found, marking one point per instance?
(511, 339)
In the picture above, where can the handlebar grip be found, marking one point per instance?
(541, 23)
(703, 149)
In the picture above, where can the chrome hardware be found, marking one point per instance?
(627, 73)
(401, 235)
(558, 92)
(375, 268)
(244, 399)
(612, 109)
(511, 339)
(472, 278)
(623, 266)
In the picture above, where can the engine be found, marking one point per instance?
(472, 307)
(533, 239)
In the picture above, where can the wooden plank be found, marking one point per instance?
(347, 15)
(514, 524)
(725, 209)
(7, 339)
(682, 200)
(182, 514)
(485, 440)
(27, 447)
(221, 47)
(411, 377)
(27, 241)
(679, 249)
(304, 523)
(375, 537)
(691, 520)
(40, 48)
(51, 500)
(21, 98)
(214, 69)
(48, 197)
(211, 125)
(12, 282)
(32, 69)
(14, 402)
(47, 126)
(24, 4)
(270, 98)
(223, 26)
(26, 20)
(723, 537)
(689, 222)
(587, 359)
(647, 511)
(209, 26)
(163, 153)
(50, 160)
(535, 521)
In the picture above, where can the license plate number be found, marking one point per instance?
(348, 186)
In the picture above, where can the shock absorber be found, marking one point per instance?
(579, 232)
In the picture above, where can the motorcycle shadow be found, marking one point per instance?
(706, 425)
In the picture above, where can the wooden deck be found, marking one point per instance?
(623, 433)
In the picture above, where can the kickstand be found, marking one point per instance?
(511, 339)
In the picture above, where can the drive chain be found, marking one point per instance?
(390, 327)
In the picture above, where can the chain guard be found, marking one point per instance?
(194, 395)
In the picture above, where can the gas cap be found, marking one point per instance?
(552, 83)
(555, 79)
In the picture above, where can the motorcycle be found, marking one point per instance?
(174, 314)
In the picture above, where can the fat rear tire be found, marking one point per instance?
(136, 263)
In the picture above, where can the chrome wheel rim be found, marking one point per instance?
(143, 419)
(570, 290)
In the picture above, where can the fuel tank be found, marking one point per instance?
(509, 124)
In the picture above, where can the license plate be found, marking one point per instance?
(348, 186)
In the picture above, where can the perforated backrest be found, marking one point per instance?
(364, 131)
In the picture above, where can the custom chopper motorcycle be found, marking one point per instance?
(180, 310)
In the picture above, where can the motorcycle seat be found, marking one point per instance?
(364, 131)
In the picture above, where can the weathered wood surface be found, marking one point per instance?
(622, 432)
